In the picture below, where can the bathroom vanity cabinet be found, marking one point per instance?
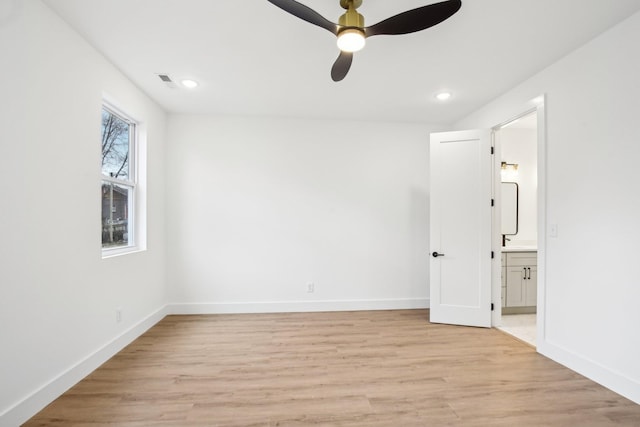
(519, 281)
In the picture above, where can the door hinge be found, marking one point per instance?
(491, 306)
(493, 202)
(492, 150)
(492, 254)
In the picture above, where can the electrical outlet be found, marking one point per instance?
(118, 315)
(311, 288)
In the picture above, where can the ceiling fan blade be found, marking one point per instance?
(306, 14)
(341, 66)
(415, 19)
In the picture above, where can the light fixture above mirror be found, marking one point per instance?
(508, 171)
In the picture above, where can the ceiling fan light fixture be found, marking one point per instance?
(352, 32)
(351, 40)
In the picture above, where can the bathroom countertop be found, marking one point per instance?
(520, 248)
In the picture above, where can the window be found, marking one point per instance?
(119, 139)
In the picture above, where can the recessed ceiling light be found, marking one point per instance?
(443, 96)
(188, 83)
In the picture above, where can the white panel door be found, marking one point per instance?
(460, 279)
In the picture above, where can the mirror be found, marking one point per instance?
(509, 208)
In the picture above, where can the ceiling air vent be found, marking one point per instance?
(167, 80)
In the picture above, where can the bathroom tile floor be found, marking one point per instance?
(522, 326)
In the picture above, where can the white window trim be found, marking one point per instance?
(134, 238)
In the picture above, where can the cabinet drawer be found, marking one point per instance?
(522, 258)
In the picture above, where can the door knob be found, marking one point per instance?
(436, 254)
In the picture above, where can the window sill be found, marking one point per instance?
(116, 252)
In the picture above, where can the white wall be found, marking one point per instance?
(591, 314)
(519, 146)
(57, 296)
(261, 207)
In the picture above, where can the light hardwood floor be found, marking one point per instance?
(382, 368)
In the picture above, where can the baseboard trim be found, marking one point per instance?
(614, 381)
(297, 306)
(34, 403)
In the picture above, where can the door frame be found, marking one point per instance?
(537, 105)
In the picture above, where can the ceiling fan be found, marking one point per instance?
(352, 33)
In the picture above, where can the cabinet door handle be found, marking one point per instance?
(528, 273)
(436, 254)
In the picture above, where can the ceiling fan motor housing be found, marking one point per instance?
(351, 17)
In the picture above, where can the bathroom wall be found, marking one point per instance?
(520, 146)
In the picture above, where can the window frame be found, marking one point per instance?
(131, 183)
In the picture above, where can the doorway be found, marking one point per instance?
(464, 279)
(516, 187)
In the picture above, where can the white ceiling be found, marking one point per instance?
(251, 57)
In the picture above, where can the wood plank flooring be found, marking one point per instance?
(380, 368)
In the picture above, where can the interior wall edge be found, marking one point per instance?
(36, 401)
